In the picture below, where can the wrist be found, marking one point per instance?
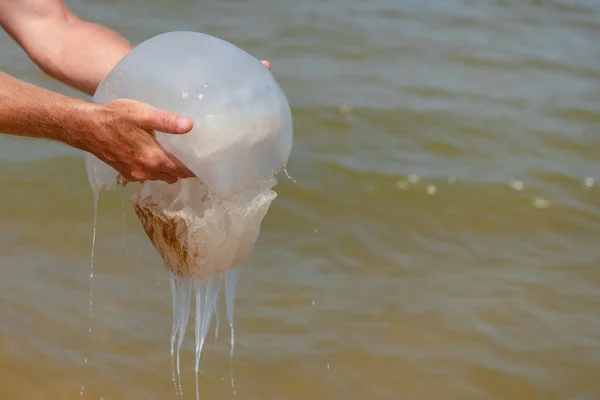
(96, 126)
(31, 111)
(78, 122)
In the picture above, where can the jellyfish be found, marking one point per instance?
(203, 227)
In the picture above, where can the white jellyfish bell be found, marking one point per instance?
(203, 227)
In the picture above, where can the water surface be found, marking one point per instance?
(441, 240)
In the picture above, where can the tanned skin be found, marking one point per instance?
(80, 54)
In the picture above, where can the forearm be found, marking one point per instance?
(28, 110)
(85, 53)
(76, 52)
(120, 132)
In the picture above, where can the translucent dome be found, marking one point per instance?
(242, 120)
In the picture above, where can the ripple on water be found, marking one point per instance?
(412, 222)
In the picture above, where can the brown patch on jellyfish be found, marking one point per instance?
(171, 238)
(167, 229)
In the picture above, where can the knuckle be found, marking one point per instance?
(150, 158)
(168, 120)
(138, 175)
(152, 163)
(122, 106)
(162, 121)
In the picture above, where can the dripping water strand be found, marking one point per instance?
(218, 318)
(96, 195)
(231, 278)
(123, 219)
(176, 326)
(91, 302)
(288, 175)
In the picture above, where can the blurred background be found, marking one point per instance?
(440, 240)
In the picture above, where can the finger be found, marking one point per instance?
(170, 179)
(267, 64)
(165, 121)
(179, 170)
(172, 166)
(156, 176)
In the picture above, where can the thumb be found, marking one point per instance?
(266, 63)
(167, 122)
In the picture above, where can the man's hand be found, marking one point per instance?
(122, 135)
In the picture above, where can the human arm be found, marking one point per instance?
(76, 52)
(80, 54)
(121, 133)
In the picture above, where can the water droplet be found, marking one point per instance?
(540, 202)
(328, 366)
(431, 189)
(516, 185)
(451, 179)
(589, 182)
(401, 184)
(313, 303)
(315, 230)
(345, 109)
(288, 175)
(413, 178)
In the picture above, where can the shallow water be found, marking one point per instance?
(440, 238)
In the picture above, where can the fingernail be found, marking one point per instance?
(183, 124)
